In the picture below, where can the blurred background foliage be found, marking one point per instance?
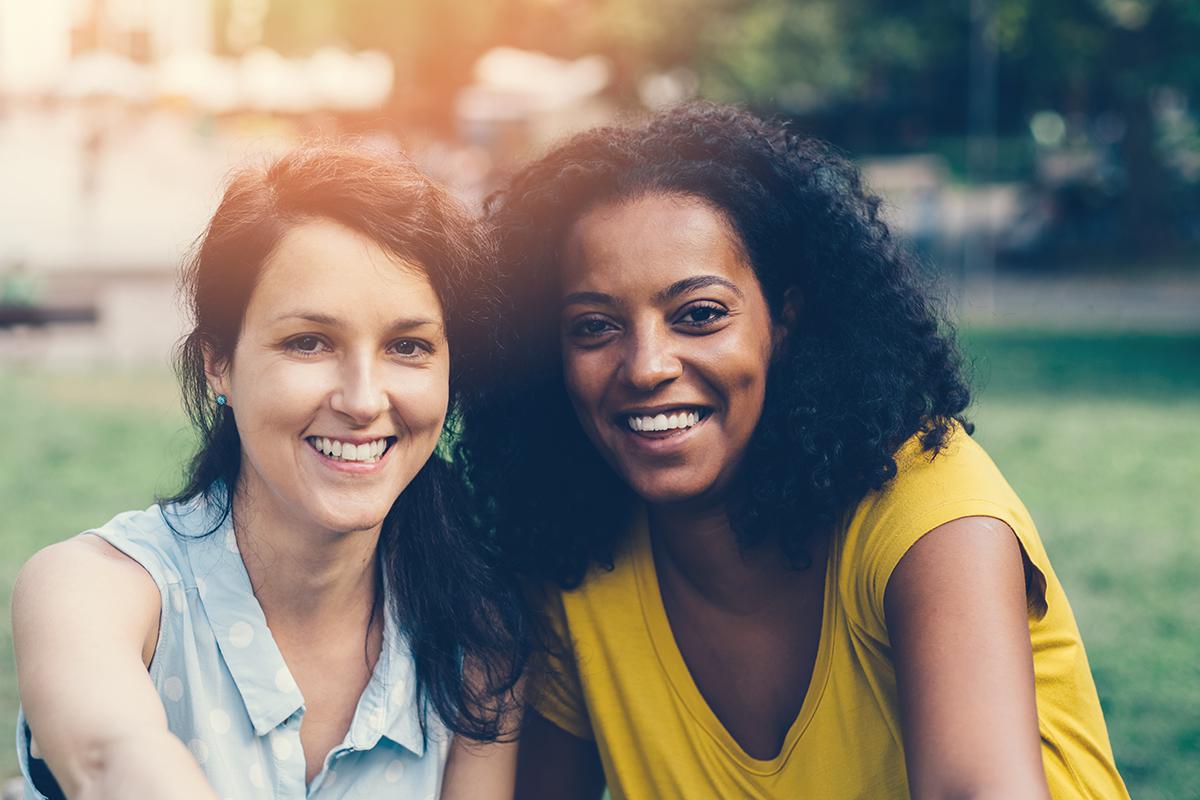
(871, 75)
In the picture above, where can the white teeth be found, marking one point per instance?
(663, 422)
(345, 451)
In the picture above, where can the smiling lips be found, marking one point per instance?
(677, 419)
(366, 453)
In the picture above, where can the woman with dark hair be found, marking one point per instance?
(726, 429)
(311, 616)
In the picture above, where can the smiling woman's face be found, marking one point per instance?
(666, 342)
(339, 380)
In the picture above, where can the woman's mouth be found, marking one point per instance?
(667, 422)
(365, 453)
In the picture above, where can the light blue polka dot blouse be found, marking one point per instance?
(229, 695)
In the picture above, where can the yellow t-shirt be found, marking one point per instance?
(625, 683)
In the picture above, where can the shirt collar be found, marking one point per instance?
(262, 678)
(388, 706)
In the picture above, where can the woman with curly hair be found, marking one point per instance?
(725, 427)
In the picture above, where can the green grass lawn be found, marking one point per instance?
(1100, 434)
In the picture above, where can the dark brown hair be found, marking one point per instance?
(449, 601)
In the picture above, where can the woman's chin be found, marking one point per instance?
(669, 491)
(344, 518)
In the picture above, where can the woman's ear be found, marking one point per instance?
(216, 370)
(789, 314)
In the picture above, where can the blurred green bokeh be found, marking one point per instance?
(1099, 434)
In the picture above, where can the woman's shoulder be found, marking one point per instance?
(154, 537)
(930, 488)
(131, 551)
(87, 581)
(959, 475)
(145, 544)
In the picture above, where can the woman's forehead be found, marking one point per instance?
(323, 264)
(655, 234)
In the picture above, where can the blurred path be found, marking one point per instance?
(1133, 302)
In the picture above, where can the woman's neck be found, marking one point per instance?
(698, 546)
(306, 579)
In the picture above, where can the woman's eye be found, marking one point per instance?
(410, 348)
(590, 328)
(702, 315)
(306, 345)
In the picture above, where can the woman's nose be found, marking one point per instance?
(360, 394)
(649, 361)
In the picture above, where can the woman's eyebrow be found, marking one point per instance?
(696, 282)
(585, 298)
(309, 316)
(676, 289)
(318, 318)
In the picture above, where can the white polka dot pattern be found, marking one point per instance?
(173, 689)
(257, 777)
(219, 720)
(284, 681)
(199, 750)
(281, 746)
(241, 634)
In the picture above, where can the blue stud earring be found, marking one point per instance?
(222, 399)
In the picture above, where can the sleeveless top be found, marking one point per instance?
(621, 680)
(228, 694)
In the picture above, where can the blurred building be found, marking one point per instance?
(38, 40)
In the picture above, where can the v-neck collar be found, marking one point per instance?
(388, 706)
(671, 658)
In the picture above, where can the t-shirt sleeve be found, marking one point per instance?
(927, 491)
(555, 690)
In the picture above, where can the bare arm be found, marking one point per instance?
(485, 771)
(554, 765)
(85, 622)
(956, 617)
(477, 771)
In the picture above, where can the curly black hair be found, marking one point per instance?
(867, 363)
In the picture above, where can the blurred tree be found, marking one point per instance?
(873, 74)
(869, 74)
(1117, 57)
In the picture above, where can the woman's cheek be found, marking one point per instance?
(422, 401)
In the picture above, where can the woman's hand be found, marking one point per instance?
(85, 625)
(956, 617)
